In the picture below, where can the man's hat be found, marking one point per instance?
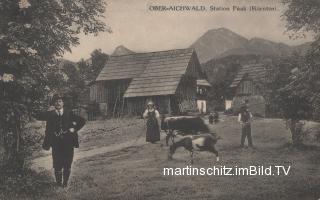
(150, 103)
(56, 97)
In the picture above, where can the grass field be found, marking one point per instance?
(135, 172)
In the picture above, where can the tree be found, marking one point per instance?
(99, 59)
(302, 17)
(91, 68)
(297, 97)
(32, 34)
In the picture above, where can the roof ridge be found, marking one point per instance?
(163, 51)
(254, 64)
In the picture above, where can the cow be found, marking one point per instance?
(201, 142)
(183, 125)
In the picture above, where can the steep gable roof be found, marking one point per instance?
(257, 72)
(162, 73)
(123, 67)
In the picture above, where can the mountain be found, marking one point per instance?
(216, 41)
(259, 46)
(219, 43)
(121, 50)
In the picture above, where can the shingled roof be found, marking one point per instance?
(256, 72)
(123, 67)
(162, 73)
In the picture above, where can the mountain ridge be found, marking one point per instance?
(222, 42)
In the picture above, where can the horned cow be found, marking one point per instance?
(201, 142)
(183, 125)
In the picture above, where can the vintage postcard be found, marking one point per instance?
(159, 99)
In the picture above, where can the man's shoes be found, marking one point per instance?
(66, 174)
(58, 176)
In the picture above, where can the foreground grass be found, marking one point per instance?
(27, 185)
(136, 172)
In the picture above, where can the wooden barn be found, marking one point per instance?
(248, 85)
(127, 82)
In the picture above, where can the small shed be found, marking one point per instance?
(249, 85)
(169, 78)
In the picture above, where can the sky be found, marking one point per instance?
(138, 26)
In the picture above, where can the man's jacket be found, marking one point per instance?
(58, 128)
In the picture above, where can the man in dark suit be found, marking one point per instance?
(245, 118)
(61, 135)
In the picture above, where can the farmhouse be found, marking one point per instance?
(248, 85)
(127, 82)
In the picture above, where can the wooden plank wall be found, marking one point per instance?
(137, 105)
(186, 94)
(98, 92)
(114, 96)
(110, 93)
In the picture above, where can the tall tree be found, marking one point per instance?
(302, 91)
(304, 17)
(32, 34)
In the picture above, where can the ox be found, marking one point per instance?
(198, 135)
(202, 142)
(183, 125)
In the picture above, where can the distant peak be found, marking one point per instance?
(121, 47)
(222, 29)
(121, 50)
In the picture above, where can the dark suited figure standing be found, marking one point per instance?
(61, 135)
(245, 118)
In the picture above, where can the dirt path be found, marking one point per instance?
(45, 162)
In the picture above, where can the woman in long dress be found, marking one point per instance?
(152, 116)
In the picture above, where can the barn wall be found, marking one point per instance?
(186, 94)
(109, 95)
(115, 102)
(2, 151)
(248, 90)
(247, 87)
(257, 104)
(194, 67)
(137, 105)
(98, 92)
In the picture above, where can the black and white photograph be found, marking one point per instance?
(159, 99)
